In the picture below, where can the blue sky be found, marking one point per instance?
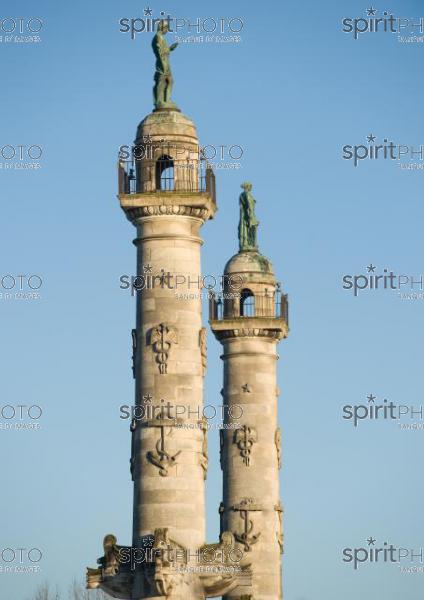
(292, 93)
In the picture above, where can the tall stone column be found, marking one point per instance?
(249, 321)
(167, 192)
(169, 458)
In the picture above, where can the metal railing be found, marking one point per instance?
(234, 306)
(165, 175)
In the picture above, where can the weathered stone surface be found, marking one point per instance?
(168, 462)
(251, 482)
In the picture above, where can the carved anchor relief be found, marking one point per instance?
(247, 538)
(245, 437)
(161, 458)
(161, 339)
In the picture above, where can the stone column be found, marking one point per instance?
(251, 457)
(249, 328)
(168, 366)
(169, 458)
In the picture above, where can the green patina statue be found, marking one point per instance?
(248, 224)
(163, 76)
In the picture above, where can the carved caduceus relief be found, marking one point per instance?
(161, 458)
(245, 437)
(161, 338)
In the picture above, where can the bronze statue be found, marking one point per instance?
(163, 76)
(248, 224)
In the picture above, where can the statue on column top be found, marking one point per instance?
(163, 76)
(248, 224)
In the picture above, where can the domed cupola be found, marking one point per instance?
(168, 153)
(166, 156)
(250, 289)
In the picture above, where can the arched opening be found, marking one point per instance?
(247, 303)
(165, 180)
